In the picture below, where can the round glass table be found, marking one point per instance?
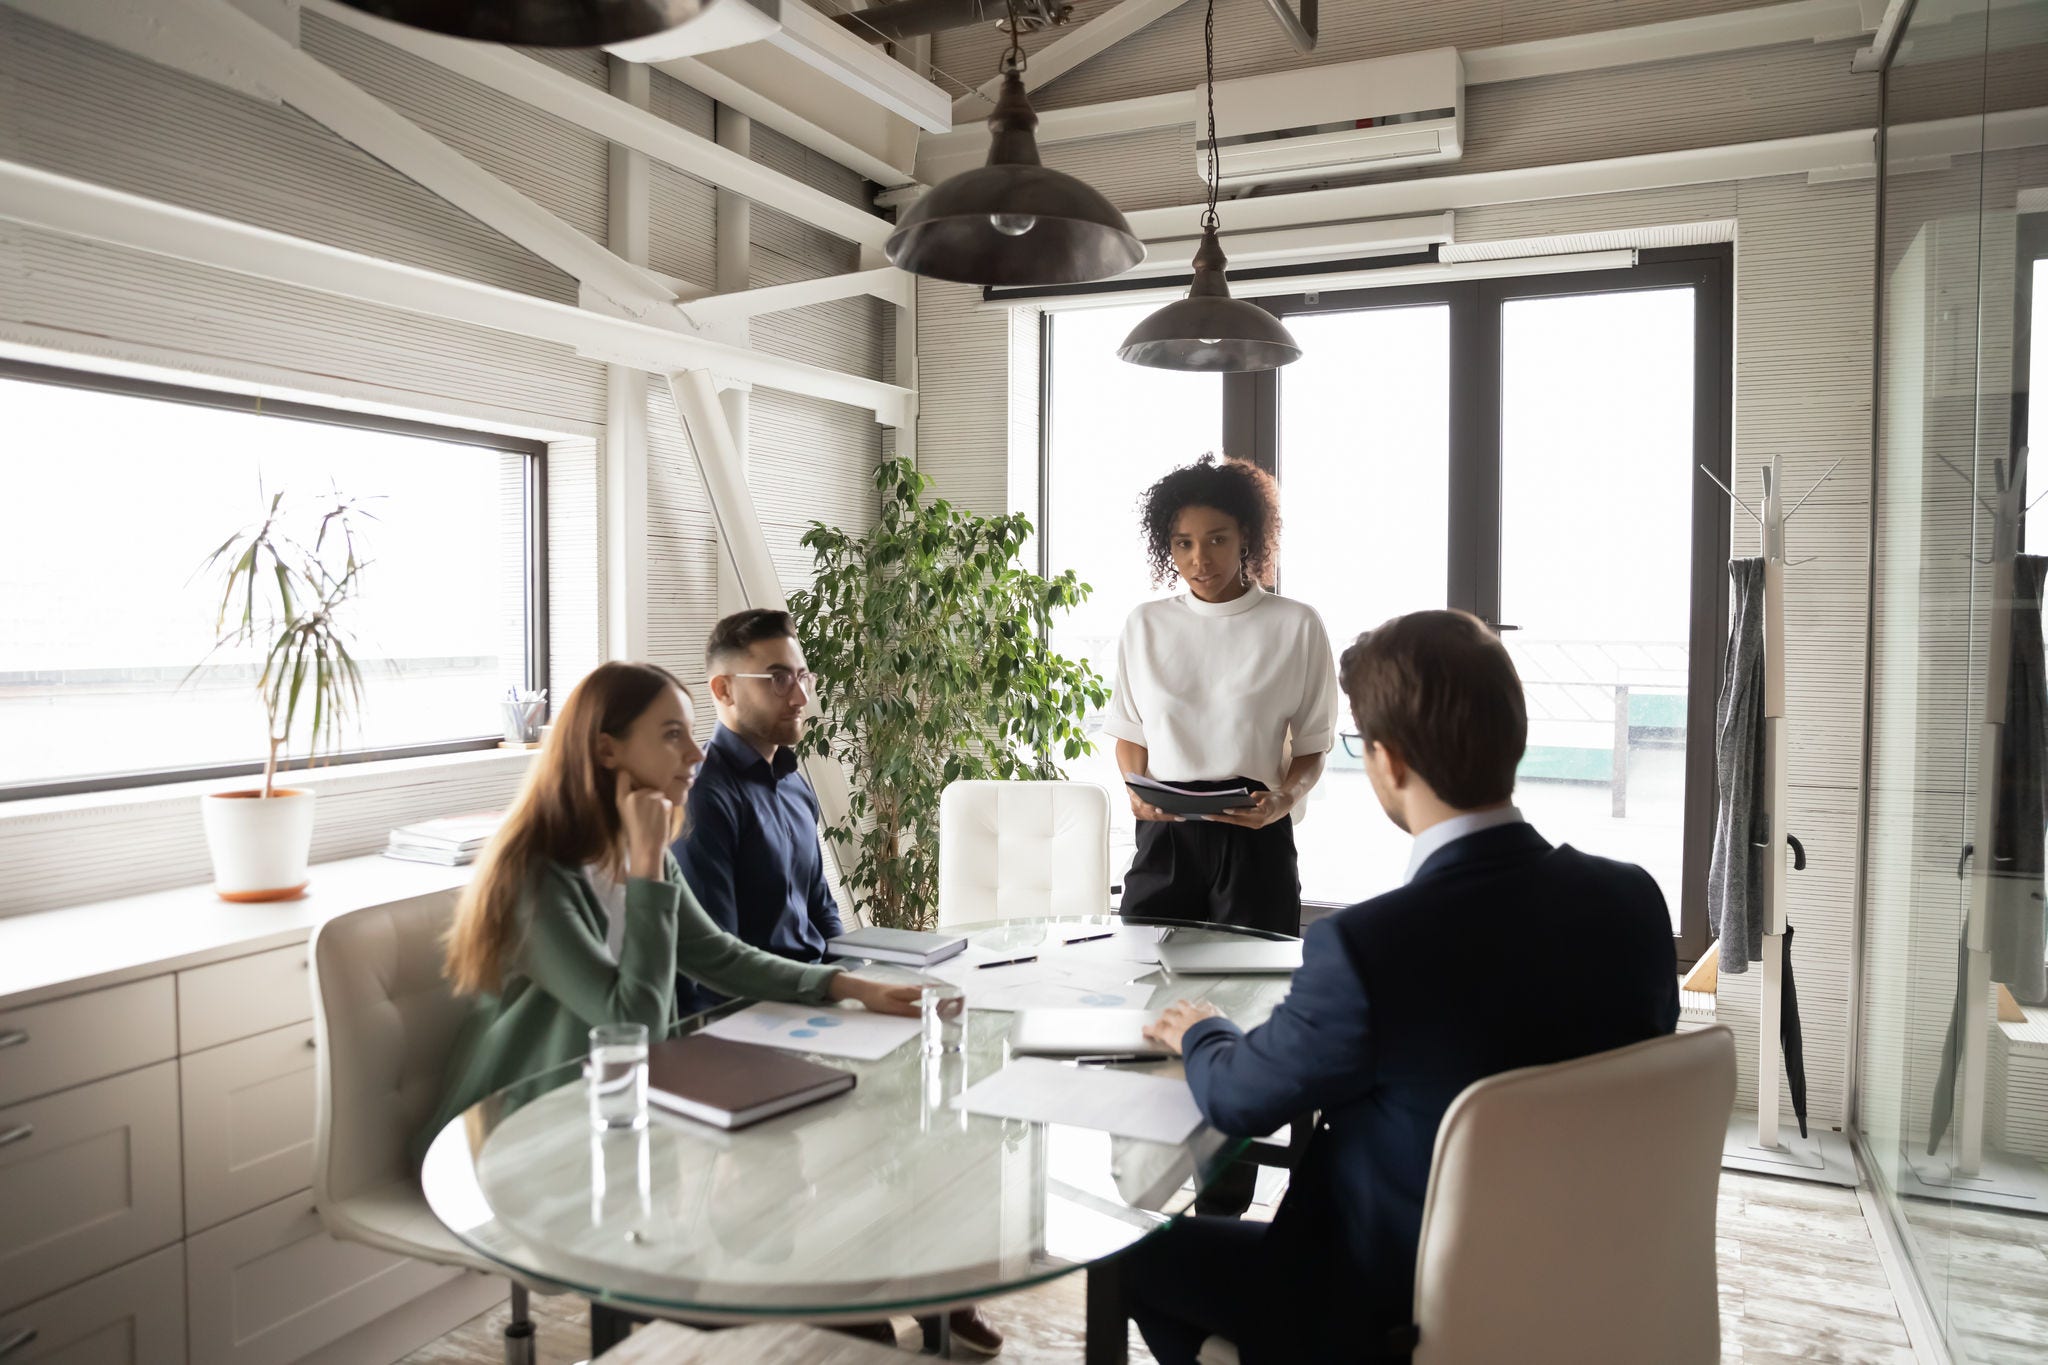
(886, 1199)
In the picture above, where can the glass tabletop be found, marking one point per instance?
(885, 1198)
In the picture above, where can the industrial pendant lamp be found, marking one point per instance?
(1014, 221)
(538, 23)
(1208, 330)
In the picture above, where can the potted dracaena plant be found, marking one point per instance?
(282, 600)
(928, 641)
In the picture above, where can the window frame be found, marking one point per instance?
(534, 453)
(2030, 244)
(1251, 428)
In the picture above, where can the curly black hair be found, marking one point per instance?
(1234, 487)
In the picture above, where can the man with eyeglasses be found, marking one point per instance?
(749, 848)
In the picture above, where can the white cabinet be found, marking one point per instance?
(272, 1286)
(244, 995)
(89, 1178)
(81, 1038)
(131, 1316)
(248, 1124)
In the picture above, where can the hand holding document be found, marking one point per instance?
(1124, 1103)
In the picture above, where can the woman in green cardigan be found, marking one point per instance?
(578, 916)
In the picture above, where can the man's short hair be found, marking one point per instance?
(742, 630)
(1438, 688)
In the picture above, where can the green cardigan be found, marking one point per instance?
(562, 981)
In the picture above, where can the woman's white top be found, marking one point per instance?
(1215, 690)
(611, 898)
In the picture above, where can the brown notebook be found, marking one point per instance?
(730, 1085)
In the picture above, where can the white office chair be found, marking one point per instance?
(1013, 849)
(383, 1020)
(1570, 1214)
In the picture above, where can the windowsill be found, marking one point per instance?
(49, 953)
(341, 777)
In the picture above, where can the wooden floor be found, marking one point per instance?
(1800, 1281)
(1987, 1271)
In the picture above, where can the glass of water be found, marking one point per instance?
(617, 1073)
(943, 1008)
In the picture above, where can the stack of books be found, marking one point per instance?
(451, 841)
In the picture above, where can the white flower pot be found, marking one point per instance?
(260, 844)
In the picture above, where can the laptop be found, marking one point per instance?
(1083, 1033)
(1231, 956)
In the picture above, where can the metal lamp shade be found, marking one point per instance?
(538, 23)
(1059, 230)
(1209, 331)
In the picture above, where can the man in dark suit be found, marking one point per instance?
(1501, 951)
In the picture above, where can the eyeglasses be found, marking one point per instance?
(1354, 743)
(783, 679)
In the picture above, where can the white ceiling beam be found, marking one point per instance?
(1800, 21)
(1886, 39)
(966, 144)
(1615, 175)
(882, 147)
(75, 208)
(1057, 58)
(331, 100)
(511, 72)
(860, 65)
(888, 284)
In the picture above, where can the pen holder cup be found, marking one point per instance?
(522, 720)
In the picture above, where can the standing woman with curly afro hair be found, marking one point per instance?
(1223, 685)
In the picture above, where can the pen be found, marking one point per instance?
(1087, 938)
(1120, 1059)
(1008, 961)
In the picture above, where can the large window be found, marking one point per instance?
(115, 492)
(1524, 449)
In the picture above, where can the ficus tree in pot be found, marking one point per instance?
(928, 640)
(282, 602)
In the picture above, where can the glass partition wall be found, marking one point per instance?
(1952, 1102)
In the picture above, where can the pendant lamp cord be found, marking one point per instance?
(1209, 219)
(1013, 58)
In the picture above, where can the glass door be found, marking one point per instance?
(1598, 480)
(1365, 513)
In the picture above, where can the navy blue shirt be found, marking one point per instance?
(750, 855)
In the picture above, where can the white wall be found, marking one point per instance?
(1802, 345)
(73, 106)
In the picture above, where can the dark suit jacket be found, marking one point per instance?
(1503, 952)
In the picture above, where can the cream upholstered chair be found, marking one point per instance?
(383, 1021)
(1011, 849)
(1570, 1214)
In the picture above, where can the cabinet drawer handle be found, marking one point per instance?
(20, 1132)
(17, 1341)
(13, 1037)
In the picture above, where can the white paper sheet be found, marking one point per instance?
(1051, 982)
(826, 1030)
(1114, 1100)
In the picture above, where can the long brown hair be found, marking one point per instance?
(566, 813)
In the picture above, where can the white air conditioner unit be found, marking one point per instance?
(1322, 122)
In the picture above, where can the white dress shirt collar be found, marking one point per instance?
(1457, 827)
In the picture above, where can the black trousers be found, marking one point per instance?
(1216, 874)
